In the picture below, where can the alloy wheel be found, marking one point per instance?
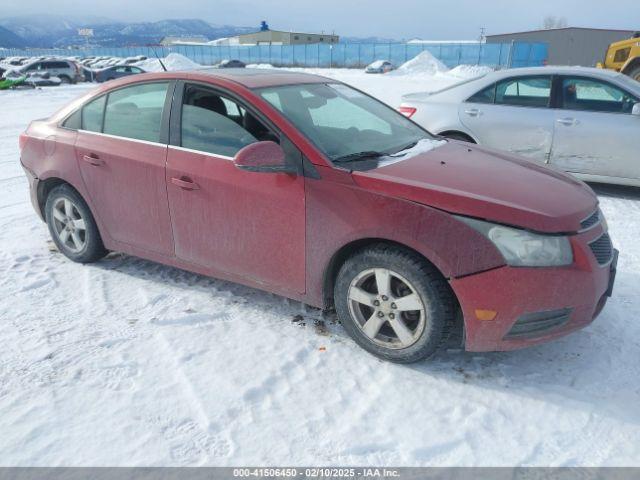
(386, 308)
(69, 225)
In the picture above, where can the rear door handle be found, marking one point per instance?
(569, 122)
(473, 112)
(93, 159)
(185, 183)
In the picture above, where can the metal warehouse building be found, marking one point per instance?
(277, 37)
(571, 45)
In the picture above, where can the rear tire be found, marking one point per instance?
(406, 320)
(72, 226)
(65, 80)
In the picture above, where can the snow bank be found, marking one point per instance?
(173, 61)
(424, 63)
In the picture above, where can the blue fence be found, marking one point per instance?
(349, 55)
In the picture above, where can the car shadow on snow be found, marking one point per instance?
(616, 191)
(594, 369)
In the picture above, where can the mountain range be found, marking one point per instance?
(51, 31)
(56, 31)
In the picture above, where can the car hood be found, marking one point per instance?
(479, 182)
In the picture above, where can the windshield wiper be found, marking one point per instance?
(352, 157)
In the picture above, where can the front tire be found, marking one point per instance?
(72, 226)
(394, 304)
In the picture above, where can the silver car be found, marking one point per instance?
(66, 70)
(585, 121)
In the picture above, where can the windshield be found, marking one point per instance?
(342, 122)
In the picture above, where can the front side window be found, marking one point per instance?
(524, 91)
(92, 114)
(136, 112)
(215, 124)
(343, 122)
(595, 96)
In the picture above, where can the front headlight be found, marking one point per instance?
(521, 248)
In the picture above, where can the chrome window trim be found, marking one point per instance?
(117, 137)
(200, 152)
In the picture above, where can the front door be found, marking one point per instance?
(513, 115)
(250, 225)
(595, 133)
(122, 161)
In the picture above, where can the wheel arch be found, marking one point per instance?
(342, 254)
(469, 138)
(47, 184)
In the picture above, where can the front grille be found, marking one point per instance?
(602, 249)
(538, 323)
(590, 221)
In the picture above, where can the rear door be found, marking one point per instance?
(513, 115)
(250, 225)
(595, 133)
(121, 149)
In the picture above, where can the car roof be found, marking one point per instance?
(554, 70)
(257, 77)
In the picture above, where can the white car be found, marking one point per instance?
(379, 66)
(585, 121)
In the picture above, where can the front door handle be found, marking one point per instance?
(473, 112)
(93, 159)
(185, 183)
(569, 122)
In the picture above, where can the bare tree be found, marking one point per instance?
(551, 21)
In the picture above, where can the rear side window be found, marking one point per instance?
(92, 115)
(486, 95)
(595, 96)
(524, 91)
(136, 112)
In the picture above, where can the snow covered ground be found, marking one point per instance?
(127, 362)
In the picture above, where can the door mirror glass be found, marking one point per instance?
(262, 157)
(636, 109)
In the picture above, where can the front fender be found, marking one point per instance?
(450, 245)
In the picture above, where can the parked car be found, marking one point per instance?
(379, 66)
(305, 187)
(585, 121)
(231, 64)
(66, 70)
(118, 71)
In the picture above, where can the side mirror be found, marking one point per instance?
(266, 157)
(636, 109)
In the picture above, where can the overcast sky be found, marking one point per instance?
(434, 19)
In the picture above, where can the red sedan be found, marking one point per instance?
(308, 188)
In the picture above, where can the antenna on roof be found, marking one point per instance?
(156, 54)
